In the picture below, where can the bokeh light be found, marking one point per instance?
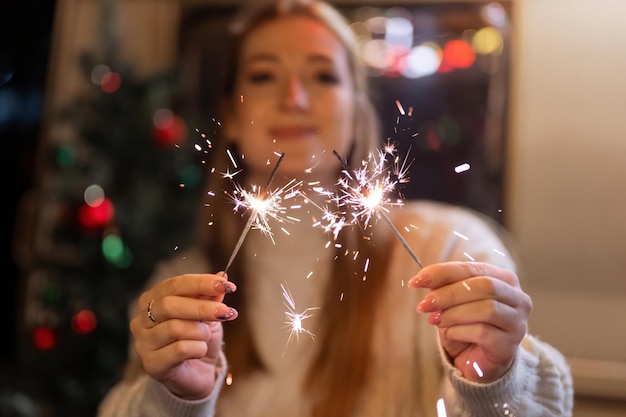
(111, 82)
(96, 216)
(399, 32)
(115, 251)
(487, 40)
(169, 128)
(94, 195)
(458, 54)
(395, 42)
(84, 321)
(65, 155)
(44, 338)
(495, 15)
(98, 72)
(423, 60)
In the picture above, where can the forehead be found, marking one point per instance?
(293, 36)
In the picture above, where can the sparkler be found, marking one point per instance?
(369, 194)
(260, 206)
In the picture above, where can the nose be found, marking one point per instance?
(295, 95)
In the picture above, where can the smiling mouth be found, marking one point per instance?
(292, 132)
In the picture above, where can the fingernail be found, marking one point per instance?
(419, 280)
(435, 318)
(225, 313)
(225, 286)
(428, 304)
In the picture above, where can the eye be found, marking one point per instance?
(259, 77)
(327, 77)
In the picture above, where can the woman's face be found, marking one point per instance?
(293, 94)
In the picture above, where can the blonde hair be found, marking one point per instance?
(347, 325)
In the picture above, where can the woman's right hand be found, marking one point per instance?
(178, 333)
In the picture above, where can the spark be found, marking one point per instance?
(263, 206)
(232, 159)
(230, 175)
(477, 369)
(365, 191)
(293, 320)
(441, 408)
(462, 168)
(263, 203)
(400, 108)
(462, 236)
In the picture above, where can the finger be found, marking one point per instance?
(185, 308)
(471, 290)
(438, 275)
(494, 341)
(159, 362)
(489, 312)
(191, 285)
(205, 286)
(170, 331)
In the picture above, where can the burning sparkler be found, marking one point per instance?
(262, 204)
(366, 191)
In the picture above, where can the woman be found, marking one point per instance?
(298, 89)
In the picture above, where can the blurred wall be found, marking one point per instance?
(567, 196)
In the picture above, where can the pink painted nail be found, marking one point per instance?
(435, 318)
(419, 280)
(225, 313)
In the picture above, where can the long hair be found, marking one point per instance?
(347, 324)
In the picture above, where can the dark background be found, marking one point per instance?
(25, 35)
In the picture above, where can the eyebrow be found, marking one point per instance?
(313, 57)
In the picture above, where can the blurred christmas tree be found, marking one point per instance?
(118, 188)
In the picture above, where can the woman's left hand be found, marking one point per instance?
(481, 314)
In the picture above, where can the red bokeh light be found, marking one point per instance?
(84, 321)
(98, 216)
(111, 82)
(457, 54)
(44, 338)
(170, 130)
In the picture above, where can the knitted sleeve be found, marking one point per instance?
(138, 395)
(539, 384)
(145, 397)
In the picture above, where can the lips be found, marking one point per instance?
(292, 132)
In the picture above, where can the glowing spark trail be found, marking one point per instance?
(258, 206)
(441, 408)
(294, 320)
(368, 196)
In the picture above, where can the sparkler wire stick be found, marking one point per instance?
(394, 229)
(253, 214)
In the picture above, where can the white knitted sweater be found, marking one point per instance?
(538, 384)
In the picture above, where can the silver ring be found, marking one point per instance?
(150, 316)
